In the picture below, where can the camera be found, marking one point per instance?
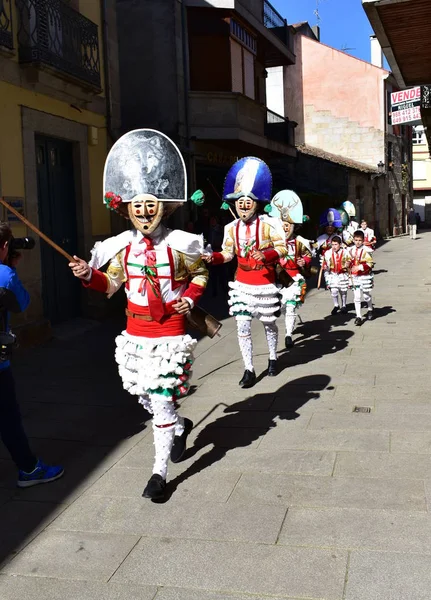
(24, 243)
(7, 343)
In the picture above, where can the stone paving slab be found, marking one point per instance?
(72, 555)
(388, 576)
(343, 492)
(15, 587)
(383, 465)
(361, 441)
(397, 422)
(131, 482)
(188, 594)
(262, 460)
(411, 442)
(358, 528)
(228, 567)
(187, 519)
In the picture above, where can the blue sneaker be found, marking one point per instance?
(42, 474)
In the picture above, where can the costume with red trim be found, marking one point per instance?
(370, 239)
(253, 293)
(161, 269)
(362, 279)
(287, 206)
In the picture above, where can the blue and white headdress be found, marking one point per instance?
(249, 177)
(330, 218)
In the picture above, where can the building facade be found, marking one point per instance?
(421, 175)
(54, 122)
(205, 65)
(350, 121)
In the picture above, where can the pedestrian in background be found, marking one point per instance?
(411, 220)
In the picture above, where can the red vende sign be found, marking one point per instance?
(406, 106)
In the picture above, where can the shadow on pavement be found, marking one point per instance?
(75, 413)
(232, 431)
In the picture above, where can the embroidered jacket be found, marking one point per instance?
(362, 261)
(295, 249)
(337, 262)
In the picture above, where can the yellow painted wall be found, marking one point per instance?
(12, 98)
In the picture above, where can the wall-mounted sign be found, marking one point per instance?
(221, 159)
(406, 106)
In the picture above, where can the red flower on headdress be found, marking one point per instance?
(113, 201)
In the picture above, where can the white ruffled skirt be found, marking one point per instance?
(155, 366)
(295, 293)
(259, 301)
(363, 282)
(338, 280)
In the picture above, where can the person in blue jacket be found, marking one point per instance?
(15, 298)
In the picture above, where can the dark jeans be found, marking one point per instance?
(11, 429)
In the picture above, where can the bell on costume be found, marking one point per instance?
(145, 161)
(330, 218)
(349, 207)
(249, 177)
(287, 206)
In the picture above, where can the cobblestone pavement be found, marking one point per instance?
(285, 492)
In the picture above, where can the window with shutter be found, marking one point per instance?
(236, 63)
(249, 83)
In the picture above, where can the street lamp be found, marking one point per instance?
(381, 169)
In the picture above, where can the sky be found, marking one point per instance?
(343, 23)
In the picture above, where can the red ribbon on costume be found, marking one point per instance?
(152, 283)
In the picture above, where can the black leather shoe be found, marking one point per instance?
(248, 379)
(288, 342)
(179, 445)
(272, 368)
(155, 488)
(370, 315)
(334, 310)
(343, 310)
(358, 321)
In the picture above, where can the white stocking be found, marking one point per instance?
(357, 300)
(290, 319)
(245, 343)
(334, 294)
(368, 300)
(271, 332)
(343, 295)
(164, 422)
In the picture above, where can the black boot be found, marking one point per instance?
(248, 379)
(335, 310)
(179, 445)
(155, 488)
(358, 321)
(272, 368)
(288, 342)
(370, 315)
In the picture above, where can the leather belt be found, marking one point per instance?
(133, 315)
(248, 268)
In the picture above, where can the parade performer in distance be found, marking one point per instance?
(287, 206)
(362, 276)
(352, 226)
(336, 263)
(330, 220)
(164, 276)
(370, 240)
(258, 242)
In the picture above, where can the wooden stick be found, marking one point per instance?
(37, 231)
(319, 281)
(213, 187)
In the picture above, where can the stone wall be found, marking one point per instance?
(342, 136)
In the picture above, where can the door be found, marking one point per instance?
(57, 218)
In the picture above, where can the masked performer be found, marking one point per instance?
(164, 276)
(258, 242)
(330, 221)
(336, 263)
(287, 206)
(352, 226)
(370, 240)
(362, 276)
